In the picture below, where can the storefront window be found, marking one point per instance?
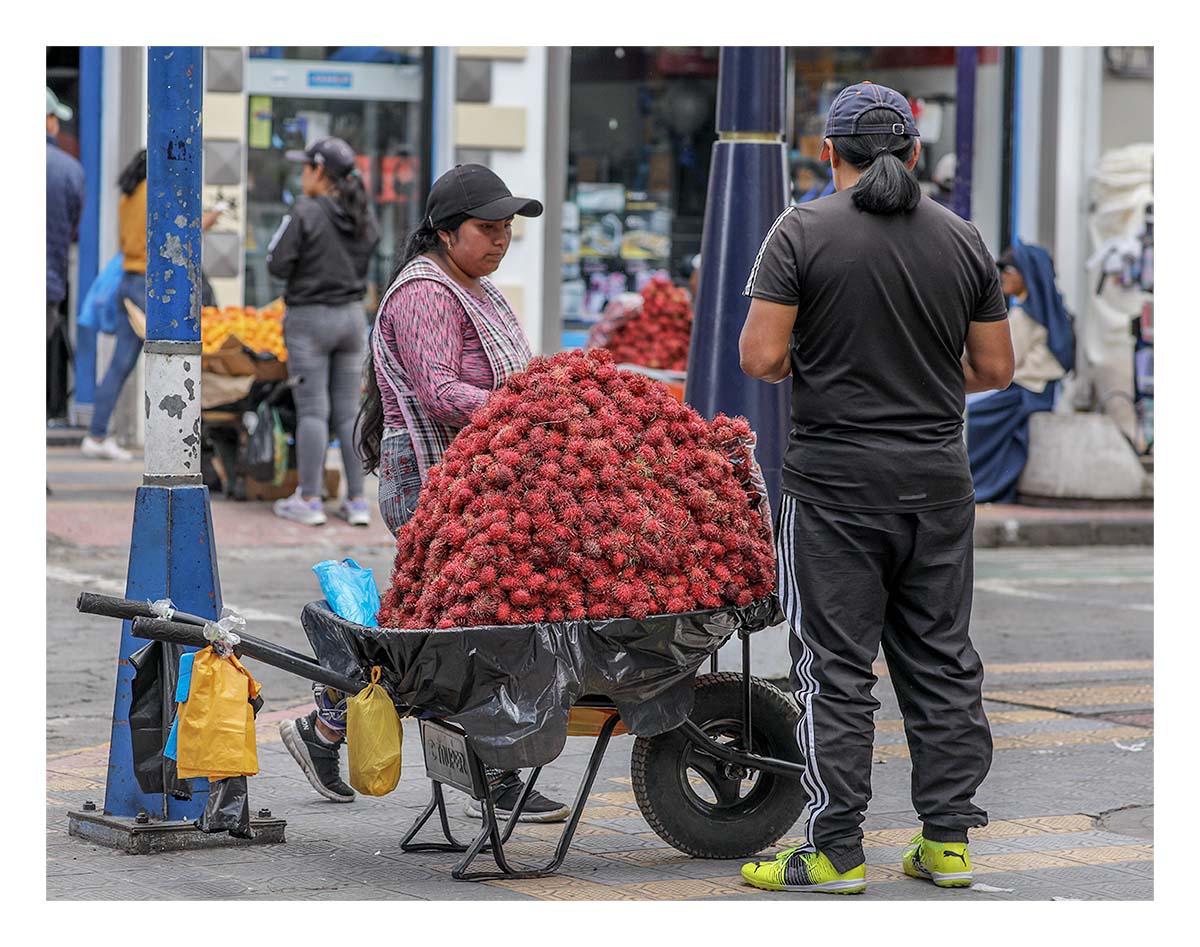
(642, 124)
(376, 104)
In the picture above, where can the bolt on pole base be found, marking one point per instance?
(145, 836)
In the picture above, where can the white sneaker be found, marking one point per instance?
(355, 512)
(299, 510)
(106, 449)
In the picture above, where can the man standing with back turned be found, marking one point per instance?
(884, 308)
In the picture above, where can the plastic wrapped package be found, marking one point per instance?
(223, 633)
(740, 451)
(512, 687)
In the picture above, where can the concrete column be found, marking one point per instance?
(1029, 118)
(1077, 154)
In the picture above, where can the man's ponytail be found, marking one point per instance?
(886, 185)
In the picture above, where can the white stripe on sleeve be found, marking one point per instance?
(283, 225)
(749, 290)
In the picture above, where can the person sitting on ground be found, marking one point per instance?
(1044, 351)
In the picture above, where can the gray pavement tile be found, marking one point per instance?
(631, 826)
(450, 890)
(1053, 878)
(1124, 890)
(1050, 842)
(615, 843)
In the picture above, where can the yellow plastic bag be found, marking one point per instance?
(216, 722)
(373, 738)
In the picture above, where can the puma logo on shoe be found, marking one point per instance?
(961, 858)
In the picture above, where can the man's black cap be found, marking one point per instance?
(332, 154)
(475, 191)
(862, 97)
(1007, 258)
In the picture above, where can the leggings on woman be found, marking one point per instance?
(326, 346)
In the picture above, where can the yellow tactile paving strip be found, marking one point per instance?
(899, 751)
(995, 718)
(567, 888)
(1047, 667)
(1141, 695)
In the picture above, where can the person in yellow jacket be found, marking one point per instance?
(131, 220)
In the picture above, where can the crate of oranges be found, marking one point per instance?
(226, 333)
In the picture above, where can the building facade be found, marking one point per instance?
(614, 141)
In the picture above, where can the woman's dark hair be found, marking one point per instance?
(886, 185)
(368, 428)
(353, 197)
(133, 174)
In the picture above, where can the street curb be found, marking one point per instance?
(1068, 531)
(65, 436)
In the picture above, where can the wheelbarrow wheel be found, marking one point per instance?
(700, 805)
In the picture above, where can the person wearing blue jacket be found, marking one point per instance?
(64, 207)
(1044, 351)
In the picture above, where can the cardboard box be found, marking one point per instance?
(257, 490)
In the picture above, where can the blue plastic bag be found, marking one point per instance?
(101, 308)
(349, 589)
(183, 688)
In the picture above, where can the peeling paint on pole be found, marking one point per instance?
(173, 165)
(174, 242)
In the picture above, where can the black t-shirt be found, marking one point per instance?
(884, 303)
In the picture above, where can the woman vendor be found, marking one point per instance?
(445, 338)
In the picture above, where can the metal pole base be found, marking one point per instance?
(151, 837)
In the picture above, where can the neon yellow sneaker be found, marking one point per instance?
(794, 870)
(946, 864)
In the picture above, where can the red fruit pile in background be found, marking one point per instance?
(657, 335)
(580, 491)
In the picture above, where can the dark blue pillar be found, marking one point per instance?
(171, 553)
(966, 65)
(91, 99)
(747, 190)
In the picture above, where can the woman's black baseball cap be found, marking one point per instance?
(475, 191)
(332, 154)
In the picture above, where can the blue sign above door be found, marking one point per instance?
(330, 79)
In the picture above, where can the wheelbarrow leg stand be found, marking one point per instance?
(492, 831)
(437, 803)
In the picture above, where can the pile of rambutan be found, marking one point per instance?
(659, 333)
(582, 491)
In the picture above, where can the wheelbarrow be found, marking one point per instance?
(715, 767)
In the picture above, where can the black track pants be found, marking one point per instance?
(847, 581)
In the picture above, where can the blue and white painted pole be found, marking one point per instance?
(747, 190)
(172, 553)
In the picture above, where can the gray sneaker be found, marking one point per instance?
(296, 508)
(355, 512)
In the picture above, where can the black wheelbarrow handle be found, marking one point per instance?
(128, 609)
(157, 629)
(93, 603)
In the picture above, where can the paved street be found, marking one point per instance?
(1066, 634)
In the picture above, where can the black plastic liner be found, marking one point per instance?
(151, 710)
(512, 687)
(228, 808)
